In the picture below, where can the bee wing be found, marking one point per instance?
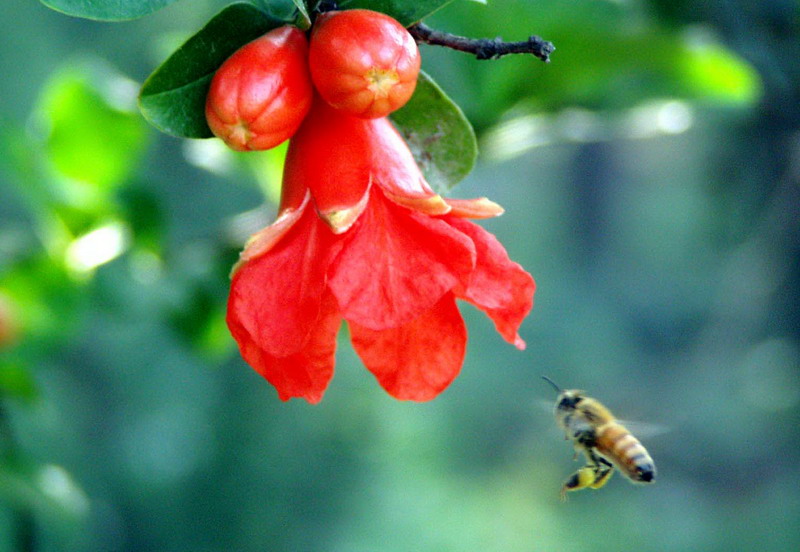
(645, 429)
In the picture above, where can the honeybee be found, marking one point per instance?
(605, 442)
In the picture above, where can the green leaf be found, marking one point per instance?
(16, 381)
(173, 98)
(47, 490)
(304, 21)
(107, 10)
(285, 10)
(641, 60)
(405, 11)
(95, 136)
(711, 72)
(49, 302)
(439, 135)
(144, 213)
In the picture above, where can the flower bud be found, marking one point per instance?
(260, 95)
(363, 62)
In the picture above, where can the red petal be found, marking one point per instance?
(329, 155)
(418, 360)
(265, 239)
(396, 264)
(338, 156)
(304, 374)
(276, 297)
(478, 208)
(431, 205)
(498, 286)
(340, 221)
(394, 167)
(294, 192)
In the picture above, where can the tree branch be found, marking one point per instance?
(483, 48)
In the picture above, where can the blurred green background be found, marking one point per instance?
(650, 176)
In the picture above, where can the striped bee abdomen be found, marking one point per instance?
(625, 451)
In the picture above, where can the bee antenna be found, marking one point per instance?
(551, 382)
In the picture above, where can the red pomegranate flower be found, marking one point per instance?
(362, 237)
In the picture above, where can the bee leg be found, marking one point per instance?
(603, 469)
(592, 459)
(595, 459)
(584, 477)
(602, 474)
(581, 448)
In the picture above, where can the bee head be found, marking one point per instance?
(567, 398)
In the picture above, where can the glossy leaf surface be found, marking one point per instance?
(439, 135)
(303, 20)
(107, 10)
(173, 97)
(404, 11)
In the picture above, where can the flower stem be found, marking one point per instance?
(483, 48)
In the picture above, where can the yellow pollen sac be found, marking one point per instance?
(381, 81)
